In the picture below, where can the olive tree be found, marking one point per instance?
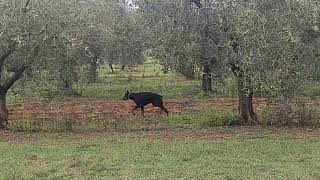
(269, 46)
(59, 65)
(23, 35)
(265, 48)
(183, 36)
(109, 35)
(125, 39)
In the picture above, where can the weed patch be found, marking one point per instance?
(294, 114)
(187, 119)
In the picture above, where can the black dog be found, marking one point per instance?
(143, 98)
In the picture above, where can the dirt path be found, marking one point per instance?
(116, 109)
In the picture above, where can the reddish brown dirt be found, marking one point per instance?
(118, 110)
(115, 109)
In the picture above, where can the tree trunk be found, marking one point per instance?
(206, 80)
(67, 78)
(9, 82)
(122, 67)
(93, 74)
(3, 110)
(246, 111)
(165, 69)
(66, 88)
(245, 90)
(111, 67)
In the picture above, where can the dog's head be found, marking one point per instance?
(126, 95)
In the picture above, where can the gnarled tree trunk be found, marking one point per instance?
(93, 67)
(122, 67)
(68, 76)
(206, 80)
(245, 90)
(3, 110)
(8, 83)
(246, 111)
(111, 67)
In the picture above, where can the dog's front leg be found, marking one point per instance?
(132, 111)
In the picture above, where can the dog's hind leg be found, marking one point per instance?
(165, 110)
(159, 103)
(142, 111)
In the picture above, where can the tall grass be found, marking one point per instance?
(69, 123)
(292, 114)
(169, 155)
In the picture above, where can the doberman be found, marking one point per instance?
(143, 98)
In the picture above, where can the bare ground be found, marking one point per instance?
(115, 109)
(119, 109)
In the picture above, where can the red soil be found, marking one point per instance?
(115, 109)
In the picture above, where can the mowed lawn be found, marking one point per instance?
(161, 154)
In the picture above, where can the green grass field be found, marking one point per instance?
(163, 154)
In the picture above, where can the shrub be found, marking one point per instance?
(205, 118)
(292, 114)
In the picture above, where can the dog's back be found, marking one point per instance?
(144, 98)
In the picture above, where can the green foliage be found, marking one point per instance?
(181, 36)
(147, 77)
(204, 118)
(41, 86)
(59, 123)
(292, 114)
(311, 89)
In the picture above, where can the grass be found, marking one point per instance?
(311, 89)
(115, 88)
(197, 119)
(174, 154)
(188, 119)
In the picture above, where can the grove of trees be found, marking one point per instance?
(269, 46)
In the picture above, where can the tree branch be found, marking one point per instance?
(27, 3)
(11, 49)
(3, 57)
(24, 9)
(19, 71)
(197, 3)
(236, 70)
(16, 76)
